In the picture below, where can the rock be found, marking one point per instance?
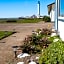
(37, 58)
(20, 63)
(32, 62)
(53, 34)
(22, 55)
(40, 32)
(53, 30)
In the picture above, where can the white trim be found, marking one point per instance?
(60, 17)
(58, 7)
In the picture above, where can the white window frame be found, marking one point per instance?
(57, 14)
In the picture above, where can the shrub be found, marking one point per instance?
(31, 45)
(46, 19)
(45, 42)
(34, 43)
(10, 21)
(54, 54)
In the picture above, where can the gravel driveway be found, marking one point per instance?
(6, 52)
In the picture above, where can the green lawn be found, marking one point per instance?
(29, 20)
(4, 34)
(25, 20)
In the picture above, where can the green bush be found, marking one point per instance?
(35, 42)
(54, 54)
(11, 21)
(46, 19)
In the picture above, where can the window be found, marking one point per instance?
(62, 8)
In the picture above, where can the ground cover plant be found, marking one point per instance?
(54, 54)
(4, 34)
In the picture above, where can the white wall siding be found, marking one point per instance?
(52, 15)
(61, 27)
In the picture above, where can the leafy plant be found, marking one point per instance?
(54, 54)
(54, 37)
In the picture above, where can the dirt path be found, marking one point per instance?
(6, 51)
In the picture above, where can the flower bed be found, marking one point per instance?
(50, 47)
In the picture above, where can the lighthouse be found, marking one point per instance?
(38, 11)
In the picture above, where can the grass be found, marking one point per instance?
(25, 20)
(30, 20)
(4, 34)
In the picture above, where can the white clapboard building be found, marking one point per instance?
(56, 13)
(51, 11)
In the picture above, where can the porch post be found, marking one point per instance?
(57, 13)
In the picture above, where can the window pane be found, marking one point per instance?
(62, 7)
